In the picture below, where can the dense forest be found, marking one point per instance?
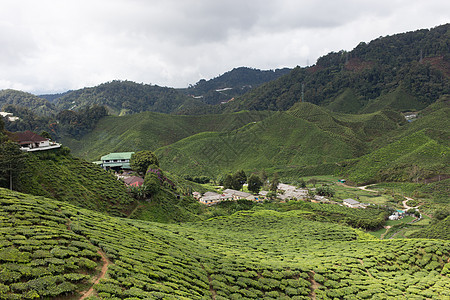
(418, 62)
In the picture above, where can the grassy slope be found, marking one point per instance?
(278, 141)
(416, 150)
(150, 131)
(287, 141)
(439, 230)
(263, 254)
(398, 100)
(418, 156)
(73, 180)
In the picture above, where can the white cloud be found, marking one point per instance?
(50, 46)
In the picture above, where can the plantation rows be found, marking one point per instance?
(249, 255)
(77, 182)
(38, 255)
(369, 218)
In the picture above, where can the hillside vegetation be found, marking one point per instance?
(150, 131)
(303, 136)
(38, 105)
(278, 141)
(57, 174)
(406, 71)
(51, 251)
(124, 97)
(414, 152)
(232, 84)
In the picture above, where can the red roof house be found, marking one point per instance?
(30, 141)
(134, 181)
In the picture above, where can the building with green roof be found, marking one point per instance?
(119, 160)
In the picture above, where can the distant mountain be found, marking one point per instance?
(35, 104)
(232, 84)
(406, 71)
(53, 97)
(125, 97)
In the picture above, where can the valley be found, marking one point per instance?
(345, 165)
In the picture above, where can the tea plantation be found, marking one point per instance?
(52, 249)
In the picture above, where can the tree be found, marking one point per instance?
(263, 176)
(275, 182)
(11, 162)
(254, 184)
(239, 179)
(228, 181)
(302, 183)
(313, 181)
(140, 161)
(325, 190)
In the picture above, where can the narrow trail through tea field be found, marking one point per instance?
(102, 274)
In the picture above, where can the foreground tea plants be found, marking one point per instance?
(249, 255)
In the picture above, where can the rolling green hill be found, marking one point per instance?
(59, 175)
(53, 249)
(418, 156)
(150, 131)
(413, 152)
(278, 141)
(406, 71)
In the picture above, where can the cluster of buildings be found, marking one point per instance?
(291, 192)
(210, 198)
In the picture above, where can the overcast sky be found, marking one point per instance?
(49, 46)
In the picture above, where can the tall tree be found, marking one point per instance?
(263, 176)
(254, 184)
(228, 182)
(239, 178)
(11, 162)
(275, 182)
(140, 161)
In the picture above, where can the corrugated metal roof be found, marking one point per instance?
(117, 155)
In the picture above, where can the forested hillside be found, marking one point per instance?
(232, 84)
(125, 97)
(54, 250)
(406, 71)
(38, 105)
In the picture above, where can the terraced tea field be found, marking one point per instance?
(50, 249)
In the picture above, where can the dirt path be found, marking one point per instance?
(102, 274)
(314, 285)
(364, 188)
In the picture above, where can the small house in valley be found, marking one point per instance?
(116, 161)
(352, 203)
(210, 198)
(237, 195)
